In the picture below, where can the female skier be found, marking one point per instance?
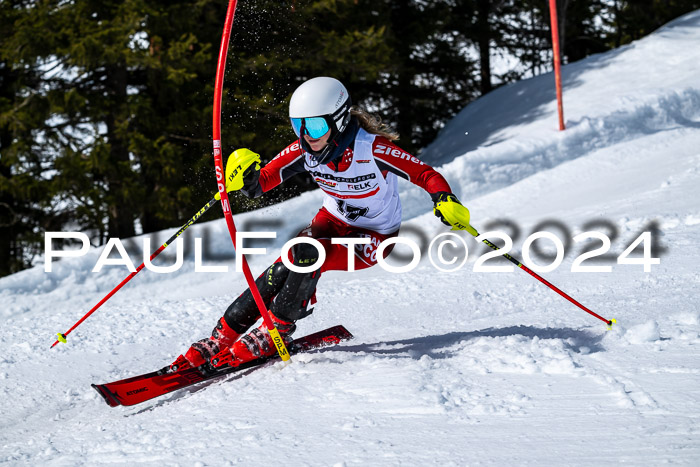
(355, 162)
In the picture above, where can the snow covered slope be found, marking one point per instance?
(460, 368)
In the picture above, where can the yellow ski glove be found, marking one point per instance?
(242, 172)
(451, 212)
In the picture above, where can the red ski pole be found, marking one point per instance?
(216, 120)
(609, 322)
(62, 336)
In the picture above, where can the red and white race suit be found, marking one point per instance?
(361, 192)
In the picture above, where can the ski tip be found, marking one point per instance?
(108, 397)
(610, 323)
(343, 333)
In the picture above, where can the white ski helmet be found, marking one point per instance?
(317, 106)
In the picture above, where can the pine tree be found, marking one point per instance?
(428, 78)
(26, 172)
(132, 80)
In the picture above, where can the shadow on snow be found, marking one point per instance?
(435, 346)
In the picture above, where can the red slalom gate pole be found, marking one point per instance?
(557, 60)
(225, 205)
(609, 322)
(62, 336)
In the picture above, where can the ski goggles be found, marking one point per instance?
(315, 127)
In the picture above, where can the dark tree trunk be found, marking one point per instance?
(401, 21)
(484, 42)
(7, 218)
(150, 221)
(120, 210)
(8, 203)
(562, 5)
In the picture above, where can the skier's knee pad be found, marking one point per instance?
(275, 277)
(304, 254)
(243, 312)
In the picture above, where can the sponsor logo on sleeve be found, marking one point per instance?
(396, 152)
(291, 148)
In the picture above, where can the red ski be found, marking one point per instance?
(141, 388)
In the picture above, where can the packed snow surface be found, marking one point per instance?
(448, 368)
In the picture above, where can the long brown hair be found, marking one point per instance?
(373, 124)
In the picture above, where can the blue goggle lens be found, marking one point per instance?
(315, 127)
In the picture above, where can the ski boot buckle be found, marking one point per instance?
(224, 357)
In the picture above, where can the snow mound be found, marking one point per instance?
(643, 333)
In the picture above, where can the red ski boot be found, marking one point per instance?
(222, 337)
(257, 343)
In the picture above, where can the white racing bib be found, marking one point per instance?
(360, 195)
